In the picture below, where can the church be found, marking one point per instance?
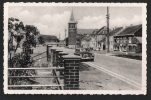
(72, 32)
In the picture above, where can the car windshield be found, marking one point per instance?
(85, 55)
(77, 50)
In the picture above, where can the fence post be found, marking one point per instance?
(48, 53)
(53, 57)
(61, 63)
(71, 72)
(57, 57)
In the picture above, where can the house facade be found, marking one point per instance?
(91, 38)
(115, 31)
(81, 33)
(129, 40)
(100, 36)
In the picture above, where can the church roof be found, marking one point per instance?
(72, 20)
(72, 16)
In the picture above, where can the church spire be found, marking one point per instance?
(72, 16)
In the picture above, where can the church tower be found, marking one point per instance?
(72, 31)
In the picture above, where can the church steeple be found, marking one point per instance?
(72, 16)
(72, 31)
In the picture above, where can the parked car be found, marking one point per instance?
(85, 54)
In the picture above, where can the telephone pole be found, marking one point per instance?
(65, 38)
(108, 17)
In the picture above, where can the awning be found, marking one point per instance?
(132, 45)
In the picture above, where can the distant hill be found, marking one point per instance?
(49, 38)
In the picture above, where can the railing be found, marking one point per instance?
(50, 68)
(57, 60)
(38, 54)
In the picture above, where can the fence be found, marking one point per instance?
(63, 66)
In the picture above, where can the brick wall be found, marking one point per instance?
(71, 72)
(72, 38)
(57, 56)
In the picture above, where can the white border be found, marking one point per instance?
(91, 92)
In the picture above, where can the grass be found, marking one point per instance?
(129, 56)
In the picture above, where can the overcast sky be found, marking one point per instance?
(54, 20)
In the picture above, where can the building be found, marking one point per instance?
(88, 42)
(72, 31)
(115, 31)
(102, 44)
(129, 40)
(81, 33)
(99, 35)
(50, 39)
(62, 43)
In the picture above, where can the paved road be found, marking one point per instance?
(122, 69)
(127, 70)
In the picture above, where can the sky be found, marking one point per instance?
(53, 20)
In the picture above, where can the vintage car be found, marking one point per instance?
(85, 54)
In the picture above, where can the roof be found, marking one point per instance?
(72, 16)
(85, 31)
(113, 32)
(72, 20)
(101, 30)
(87, 38)
(130, 30)
(47, 38)
(96, 31)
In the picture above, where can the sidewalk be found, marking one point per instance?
(136, 56)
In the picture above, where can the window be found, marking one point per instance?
(130, 40)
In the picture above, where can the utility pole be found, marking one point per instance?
(65, 38)
(108, 16)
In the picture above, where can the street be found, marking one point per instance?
(127, 70)
(123, 70)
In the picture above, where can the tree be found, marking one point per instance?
(41, 40)
(24, 59)
(14, 27)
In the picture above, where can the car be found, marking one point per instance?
(85, 54)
